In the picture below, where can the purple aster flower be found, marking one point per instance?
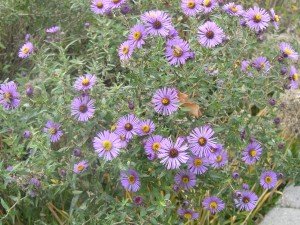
(138, 200)
(294, 78)
(125, 9)
(233, 9)
(151, 156)
(257, 19)
(125, 50)
(272, 101)
(153, 144)
(185, 179)
(83, 108)
(197, 164)
(210, 34)
(99, 6)
(219, 160)
(177, 51)
(27, 37)
(77, 152)
(128, 125)
(85, 82)
(113, 4)
(274, 19)
(9, 168)
(283, 70)
(130, 180)
(252, 153)
(35, 182)
(187, 214)
(243, 22)
(268, 179)
(123, 140)
(137, 35)
(216, 150)
(235, 175)
(246, 201)
(53, 30)
(173, 155)
(131, 105)
(245, 66)
(201, 140)
(165, 101)
(9, 95)
(26, 50)
(191, 7)
(53, 130)
(173, 33)
(213, 204)
(209, 5)
(157, 23)
(27, 134)
(245, 186)
(261, 63)
(287, 51)
(87, 25)
(29, 90)
(146, 127)
(80, 167)
(107, 145)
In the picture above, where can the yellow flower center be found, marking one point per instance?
(125, 50)
(276, 18)
(268, 179)
(202, 141)
(185, 179)
(213, 205)
(177, 51)
(191, 4)
(287, 51)
(131, 179)
(52, 131)
(262, 65)
(137, 35)
(99, 5)
(80, 167)
(295, 77)
(146, 128)
(107, 145)
(207, 3)
(188, 215)
(7, 96)
(156, 146)
(257, 18)
(253, 152)
(197, 162)
(219, 158)
(85, 82)
(25, 50)
(165, 101)
(234, 9)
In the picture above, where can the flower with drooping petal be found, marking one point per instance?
(53, 30)
(53, 130)
(294, 78)
(252, 153)
(153, 144)
(123, 140)
(197, 164)
(188, 214)
(26, 50)
(146, 127)
(9, 95)
(138, 35)
(213, 204)
(246, 200)
(80, 167)
(191, 7)
(128, 125)
(245, 66)
(107, 145)
(85, 82)
(185, 179)
(177, 51)
(217, 150)
(130, 180)
(157, 23)
(233, 9)
(83, 108)
(268, 179)
(210, 35)
(287, 51)
(219, 160)
(257, 19)
(261, 63)
(173, 33)
(201, 140)
(113, 4)
(172, 154)
(166, 101)
(99, 6)
(126, 50)
(208, 5)
(274, 19)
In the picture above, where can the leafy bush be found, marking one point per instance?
(62, 177)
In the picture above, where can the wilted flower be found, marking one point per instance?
(261, 63)
(27, 134)
(53, 30)
(138, 200)
(274, 18)
(294, 78)
(35, 182)
(77, 152)
(288, 52)
(53, 130)
(188, 214)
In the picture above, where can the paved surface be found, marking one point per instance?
(288, 210)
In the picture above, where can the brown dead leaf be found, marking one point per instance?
(183, 97)
(194, 109)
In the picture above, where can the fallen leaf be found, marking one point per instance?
(194, 109)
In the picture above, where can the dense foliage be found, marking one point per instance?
(62, 179)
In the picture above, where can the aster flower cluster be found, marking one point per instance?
(105, 6)
(261, 64)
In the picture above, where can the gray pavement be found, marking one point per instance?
(287, 212)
